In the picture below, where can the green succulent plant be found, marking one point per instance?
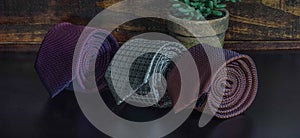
(199, 9)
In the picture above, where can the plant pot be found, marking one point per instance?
(191, 32)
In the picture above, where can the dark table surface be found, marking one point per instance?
(27, 111)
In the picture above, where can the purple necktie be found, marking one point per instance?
(55, 57)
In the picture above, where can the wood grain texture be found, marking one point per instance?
(290, 6)
(23, 24)
(231, 45)
(254, 24)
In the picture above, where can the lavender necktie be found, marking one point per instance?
(55, 57)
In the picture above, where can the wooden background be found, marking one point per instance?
(254, 24)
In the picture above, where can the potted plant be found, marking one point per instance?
(194, 21)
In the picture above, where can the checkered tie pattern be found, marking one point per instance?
(55, 58)
(134, 64)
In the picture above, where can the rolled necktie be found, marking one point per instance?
(55, 59)
(138, 71)
(228, 90)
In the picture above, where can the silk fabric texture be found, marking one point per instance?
(227, 90)
(57, 53)
(134, 67)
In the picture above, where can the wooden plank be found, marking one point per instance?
(231, 45)
(290, 6)
(262, 45)
(263, 23)
(19, 47)
(106, 3)
(23, 33)
(258, 22)
(24, 22)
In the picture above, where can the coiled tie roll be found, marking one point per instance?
(55, 57)
(137, 63)
(229, 90)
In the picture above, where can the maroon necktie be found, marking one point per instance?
(236, 76)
